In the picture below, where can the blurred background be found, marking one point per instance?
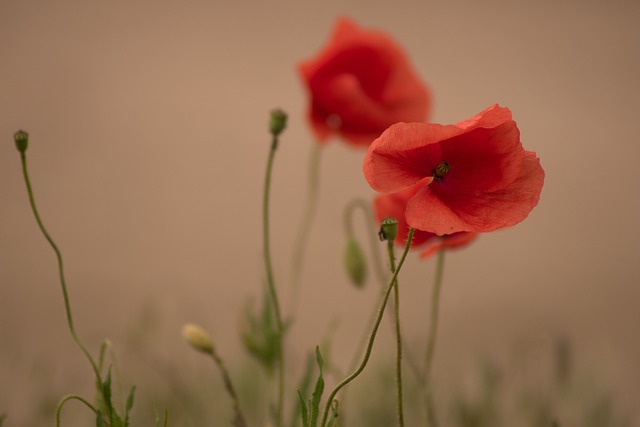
(148, 144)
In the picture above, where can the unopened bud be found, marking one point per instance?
(355, 263)
(22, 140)
(388, 229)
(197, 338)
(278, 122)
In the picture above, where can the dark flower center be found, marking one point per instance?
(441, 170)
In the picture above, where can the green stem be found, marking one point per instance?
(310, 209)
(270, 280)
(372, 337)
(65, 399)
(396, 297)
(238, 419)
(67, 304)
(431, 342)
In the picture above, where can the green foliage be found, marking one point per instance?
(110, 416)
(3, 416)
(311, 412)
(317, 392)
(303, 390)
(260, 337)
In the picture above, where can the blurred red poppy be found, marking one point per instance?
(395, 204)
(359, 84)
(474, 176)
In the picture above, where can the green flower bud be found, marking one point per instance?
(388, 229)
(355, 263)
(22, 140)
(197, 338)
(278, 122)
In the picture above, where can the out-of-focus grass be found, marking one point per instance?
(522, 389)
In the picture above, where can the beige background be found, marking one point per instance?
(148, 147)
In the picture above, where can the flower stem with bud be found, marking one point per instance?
(277, 124)
(197, 338)
(372, 337)
(21, 139)
(388, 232)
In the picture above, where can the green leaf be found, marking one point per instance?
(317, 392)
(100, 419)
(303, 410)
(106, 393)
(112, 416)
(129, 406)
(3, 417)
(260, 337)
(303, 389)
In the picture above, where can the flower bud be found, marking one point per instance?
(388, 229)
(22, 140)
(197, 338)
(278, 122)
(354, 263)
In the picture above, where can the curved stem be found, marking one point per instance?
(67, 304)
(431, 342)
(396, 312)
(310, 209)
(65, 399)
(372, 337)
(238, 419)
(382, 277)
(270, 280)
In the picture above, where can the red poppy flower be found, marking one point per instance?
(395, 204)
(360, 84)
(475, 175)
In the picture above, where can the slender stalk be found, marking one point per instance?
(238, 419)
(270, 280)
(372, 337)
(396, 311)
(431, 341)
(67, 304)
(65, 399)
(310, 209)
(382, 276)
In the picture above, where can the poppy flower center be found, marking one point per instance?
(441, 170)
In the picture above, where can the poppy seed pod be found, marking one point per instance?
(388, 229)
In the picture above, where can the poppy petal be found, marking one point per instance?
(442, 212)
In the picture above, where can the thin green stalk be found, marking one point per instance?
(431, 341)
(238, 419)
(382, 276)
(67, 304)
(396, 311)
(372, 337)
(310, 209)
(270, 280)
(65, 399)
